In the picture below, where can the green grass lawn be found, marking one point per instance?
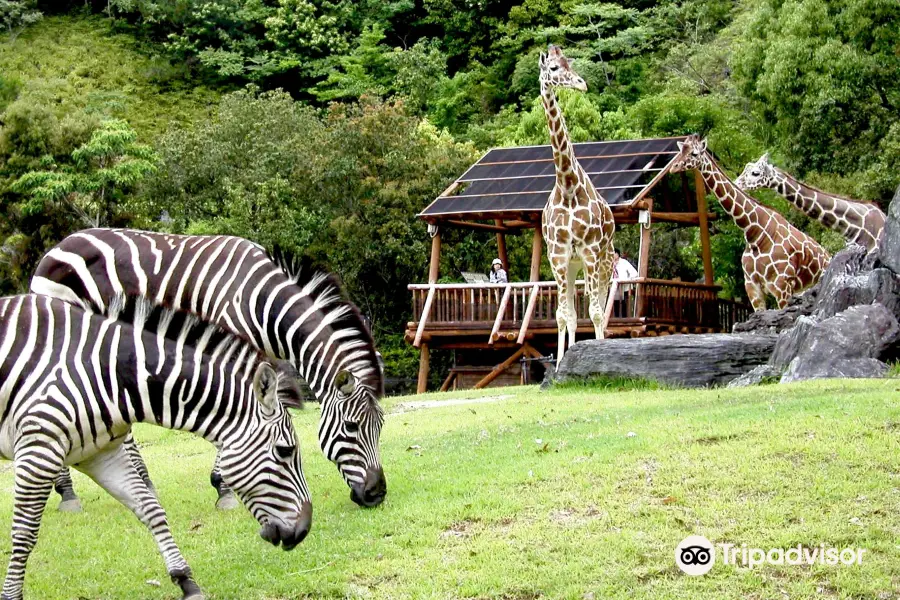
(535, 495)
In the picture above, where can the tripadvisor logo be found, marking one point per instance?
(696, 555)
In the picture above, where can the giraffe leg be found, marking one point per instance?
(572, 315)
(69, 501)
(596, 277)
(114, 471)
(227, 500)
(562, 311)
(756, 295)
(755, 292)
(38, 462)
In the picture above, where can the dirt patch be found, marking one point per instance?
(459, 530)
(570, 517)
(406, 407)
(718, 439)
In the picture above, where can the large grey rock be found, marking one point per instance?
(756, 376)
(834, 347)
(878, 285)
(791, 342)
(854, 368)
(778, 320)
(889, 243)
(688, 360)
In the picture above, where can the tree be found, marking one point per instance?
(823, 74)
(103, 168)
(16, 15)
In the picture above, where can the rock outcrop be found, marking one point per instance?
(685, 360)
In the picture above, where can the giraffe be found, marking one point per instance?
(779, 259)
(859, 222)
(577, 223)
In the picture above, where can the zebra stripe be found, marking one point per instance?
(72, 384)
(285, 310)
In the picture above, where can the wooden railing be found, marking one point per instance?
(525, 305)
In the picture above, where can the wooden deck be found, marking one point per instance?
(517, 312)
(521, 317)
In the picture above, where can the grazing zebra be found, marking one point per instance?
(286, 310)
(72, 384)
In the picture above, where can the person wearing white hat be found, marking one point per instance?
(498, 275)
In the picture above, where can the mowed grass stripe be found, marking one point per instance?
(479, 508)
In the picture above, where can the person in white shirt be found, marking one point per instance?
(498, 275)
(622, 270)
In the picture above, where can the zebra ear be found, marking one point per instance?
(345, 382)
(265, 387)
(293, 390)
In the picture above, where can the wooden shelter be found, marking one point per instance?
(504, 193)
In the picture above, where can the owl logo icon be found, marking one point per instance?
(695, 555)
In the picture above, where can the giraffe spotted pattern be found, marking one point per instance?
(779, 259)
(577, 223)
(859, 222)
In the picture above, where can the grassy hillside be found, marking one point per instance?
(80, 64)
(531, 495)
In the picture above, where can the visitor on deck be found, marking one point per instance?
(622, 270)
(498, 275)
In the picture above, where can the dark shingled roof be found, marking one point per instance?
(511, 180)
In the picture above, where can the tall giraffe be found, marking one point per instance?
(779, 258)
(859, 222)
(577, 224)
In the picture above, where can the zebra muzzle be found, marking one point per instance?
(288, 536)
(372, 491)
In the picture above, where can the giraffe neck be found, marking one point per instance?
(746, 213)
(835, 212)
(563, 152)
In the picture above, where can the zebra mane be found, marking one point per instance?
(175, 324)
(171, 323)
(325, 288)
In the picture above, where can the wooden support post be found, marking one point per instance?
(498, 370)
(526, 320)
(426, 312)
(643, 263)
(500, 312)
(434, 268)
(708, 277)
(422, 386)
(448, 382)
(610, 300)
(501, 247)
(536, 253)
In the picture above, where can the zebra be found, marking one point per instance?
(72, 384)
(285, 308)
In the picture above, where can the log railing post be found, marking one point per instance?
(501, 311)
(424, 318)
(526, 319)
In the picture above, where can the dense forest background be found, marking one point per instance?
(325, 126)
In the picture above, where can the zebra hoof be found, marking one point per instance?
(70, 506)
(228, 502)
(191, 590)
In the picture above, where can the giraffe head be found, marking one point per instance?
(690, 154)
(556, 71)
(759, 174)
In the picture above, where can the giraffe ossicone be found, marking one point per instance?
(577, 224)
(859, 222)
(778, 259)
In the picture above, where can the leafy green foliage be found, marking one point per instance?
(385, 102)
(16, 15)
(102, 170)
